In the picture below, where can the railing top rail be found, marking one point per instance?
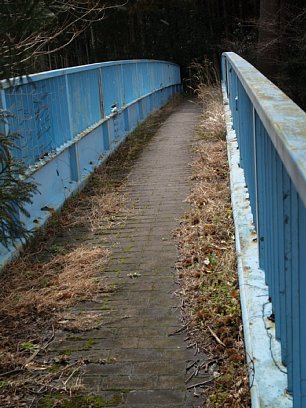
(71, 70)
(284, 121)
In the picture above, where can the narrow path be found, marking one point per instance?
(133, 362)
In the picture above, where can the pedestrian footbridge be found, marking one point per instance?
(69, 121)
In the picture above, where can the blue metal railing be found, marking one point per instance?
(51, 108)
(271, 134)
(70, 120)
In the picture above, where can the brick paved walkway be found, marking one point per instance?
(133, 362)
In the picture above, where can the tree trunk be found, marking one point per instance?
(268, 55)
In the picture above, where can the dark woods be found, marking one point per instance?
(40, 35)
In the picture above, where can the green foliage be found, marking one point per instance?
(90, 401)
(3, 384)
(15, 193)
(28, 346)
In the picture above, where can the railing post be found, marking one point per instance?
(301, 300)
(255, 173)
(295, 323)
(100, 82)
(4, 108)
(278, 187)
(287, 220)
(73, 150)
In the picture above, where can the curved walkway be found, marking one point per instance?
(135, 361)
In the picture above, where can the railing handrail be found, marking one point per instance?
(270, 135)
(283, 119)
(50, 108)
(4, 84)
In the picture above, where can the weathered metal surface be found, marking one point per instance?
(275, 172)
(268, 377)
(51, 108)
(284, 121)
(68, 125)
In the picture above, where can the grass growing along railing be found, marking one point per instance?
(61, 267)
(207, 266)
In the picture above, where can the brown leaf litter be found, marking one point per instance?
(207, 270)
(63, 266)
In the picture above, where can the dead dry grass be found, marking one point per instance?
(31, 313)
(100, 207)
(61, 267)
(62, 281)
(207, 264)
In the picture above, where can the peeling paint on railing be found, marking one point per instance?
(271, 136)
(268, 378)
(68, 126)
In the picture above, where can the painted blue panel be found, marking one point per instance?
(54, 185)
(146, 106)
(144, 84)
(158, 75)
(133, 116)
(74, 163)
(84, 98)
(90, 150)
(140, 111)
(60, 130)
(126, 120)
(105, 136)
(39, 116)
(112, 82)
(116, 130)
(132, 89)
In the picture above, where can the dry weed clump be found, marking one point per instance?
(212, 123)
(65, 279)
(204, 82)
(61, 267)
(207, 266)
(42, 291)
(48, 288)
(98, 208)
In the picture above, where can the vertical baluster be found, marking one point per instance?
(287, 349)
(281, 326)
(302, 300)
(75, 173)
(295, 324)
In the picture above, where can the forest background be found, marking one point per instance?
(38, 35)
(41, 35)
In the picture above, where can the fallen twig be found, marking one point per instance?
(191, 345)
(14, 371)
(200, 384)
(191, 377)
(178, 330)
(191, 365)
(216, 337)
